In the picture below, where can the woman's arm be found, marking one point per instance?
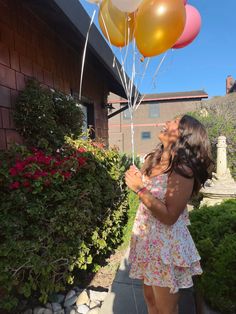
(179, 190)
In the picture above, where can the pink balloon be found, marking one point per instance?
(191, 29)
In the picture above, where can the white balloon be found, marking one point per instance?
(127, 5)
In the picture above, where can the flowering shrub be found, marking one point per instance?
(38, 170)
(59, 214)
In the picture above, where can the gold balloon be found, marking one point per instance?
(117, 26)
(159, 23)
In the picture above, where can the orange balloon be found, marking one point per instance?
(117, 26)
(159, 23)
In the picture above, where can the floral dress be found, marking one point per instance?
(162, 255)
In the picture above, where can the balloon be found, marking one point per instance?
(159, 23)
(191, 29)
(127, 6)
(117, 26)
(185, 2)
(94, 1)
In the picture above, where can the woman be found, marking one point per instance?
(162, 253)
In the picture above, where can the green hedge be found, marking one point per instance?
(59, 214)
(214, 232)
(45, 116)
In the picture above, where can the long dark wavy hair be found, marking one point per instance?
(190, 155)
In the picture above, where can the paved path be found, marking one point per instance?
(126, 296)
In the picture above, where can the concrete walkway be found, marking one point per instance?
(126, 296)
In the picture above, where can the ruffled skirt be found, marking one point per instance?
(161, 275)
(164, 256)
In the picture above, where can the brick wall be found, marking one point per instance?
(29, 48)
(119, 128)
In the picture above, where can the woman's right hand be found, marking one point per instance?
(135, 170)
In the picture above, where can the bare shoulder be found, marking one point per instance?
(178, 193)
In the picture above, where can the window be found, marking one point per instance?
(88, 110)
(154, 111)
(85, 122)
(126, 114)
(146, 135)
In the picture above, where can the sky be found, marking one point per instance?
(205, 63)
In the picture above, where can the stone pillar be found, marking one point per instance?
(221, 167)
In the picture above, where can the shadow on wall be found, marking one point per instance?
(126, 296)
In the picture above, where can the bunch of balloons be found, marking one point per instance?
(156, 25)
(153, 27)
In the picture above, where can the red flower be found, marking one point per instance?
(27, 175)
(36, 175)
(39, 174)
(15, 185)
(43, 174)
(30, 159)
(44, 159)
(26, 184)
(57, 163)
(20, 166)
(81, 161)
(13, 171)
(81, 150)
(66, 175)
(53, 172)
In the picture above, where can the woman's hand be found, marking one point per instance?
(133, 178)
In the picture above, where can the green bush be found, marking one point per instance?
(44, 117)
(59, 214)
(214, 232)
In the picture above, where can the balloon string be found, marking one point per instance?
(140, 101)
(128, 85)
(133, 75)
(155, 75)
(84, 55)
(140, 83)
(158, 68)
(123, 82)
(132, 136)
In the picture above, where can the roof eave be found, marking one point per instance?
(77, 15)
(162, 99)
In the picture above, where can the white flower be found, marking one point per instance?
(58, 98)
